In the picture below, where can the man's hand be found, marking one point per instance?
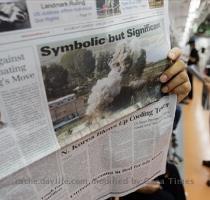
(150, 188)
(175, 78)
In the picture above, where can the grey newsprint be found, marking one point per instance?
(81, 112)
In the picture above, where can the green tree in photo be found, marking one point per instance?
(102, 64)
(56, 81)
(80, 64)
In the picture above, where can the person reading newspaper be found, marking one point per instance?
(206, 163)
(175, 81)
(47, 119)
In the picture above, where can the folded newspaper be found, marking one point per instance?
(81, 112)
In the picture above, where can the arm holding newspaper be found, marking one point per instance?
(177, 82)
(175, 78)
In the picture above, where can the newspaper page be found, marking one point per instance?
(113, 161)
(74, 69)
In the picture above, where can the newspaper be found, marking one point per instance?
(81, 112)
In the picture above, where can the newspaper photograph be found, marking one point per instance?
(156, 3)
(106, 8)
(95, 80)
(14, 15)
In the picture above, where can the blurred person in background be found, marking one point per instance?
(193, 60)
(202, 63)
(206, 104)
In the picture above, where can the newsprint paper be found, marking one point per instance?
(81, 112)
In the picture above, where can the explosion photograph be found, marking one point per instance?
(88, 88)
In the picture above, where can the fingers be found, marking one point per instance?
(182, 91)
(178, 67)
(179, 85)
(150, 188)
(175, 78)
(174, 53)
(175, 82)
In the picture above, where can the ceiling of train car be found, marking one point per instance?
(186, 16)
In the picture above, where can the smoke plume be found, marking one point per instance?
(106, 89)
